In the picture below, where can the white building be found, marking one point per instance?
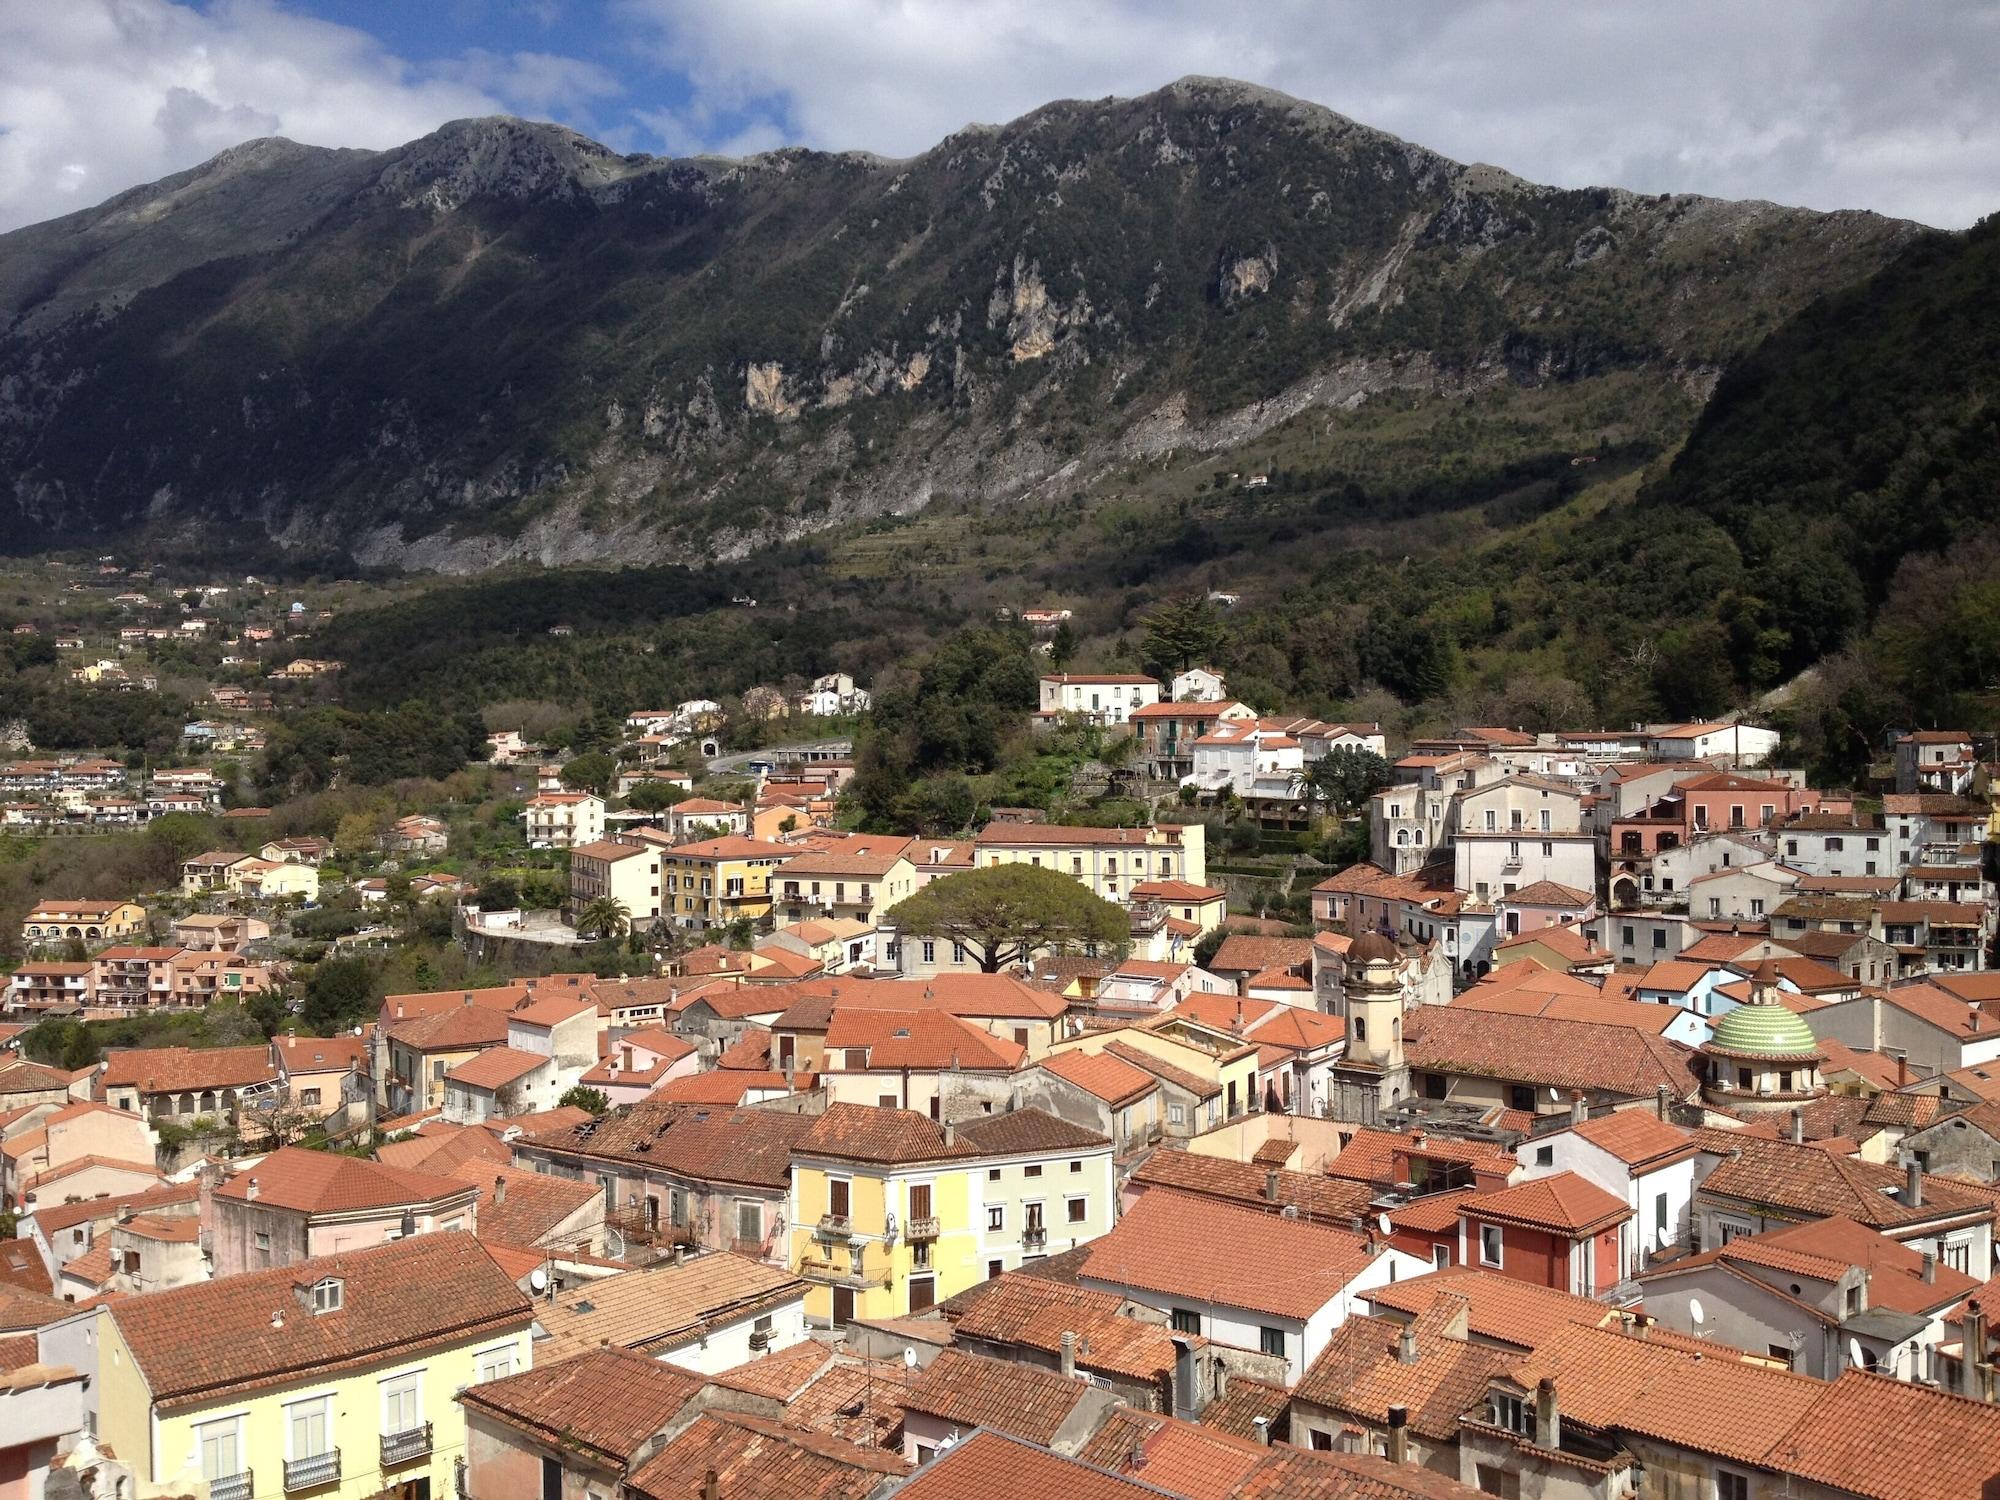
(1636, 1157)
(561, 820)
(1737, 745)
(1199, 685)
(1096, 697)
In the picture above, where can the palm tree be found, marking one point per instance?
(603, 917)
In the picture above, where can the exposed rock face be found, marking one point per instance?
(505, 341)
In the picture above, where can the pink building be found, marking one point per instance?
(296, 1204)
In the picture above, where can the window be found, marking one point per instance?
(402, 1405)
(308, 1428)
(1077, 1209)
(1958, 1255)
(496, 1363)
(1545, 1156)
(1489, 1244)
(327, 1295)
(1272, 1341)
(1730, 1486)
(263, 1240)
(1076, 1166)
(1033, 1169)
(309, 1098)
(996, 1218)
(837, 1194)
(1441, 1256)
(1521, 1096)
(1510, 1412)
(1782, 1353)
(221, 1448)
(930, 951)
(750, 1222)
(992, 1174)
(1176, 1115)
(1359, 1026)
(1660, 1217)
(1494, 1480)
(1185, 1320)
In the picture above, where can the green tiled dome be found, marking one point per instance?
(1764, 1030)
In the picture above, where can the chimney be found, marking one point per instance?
(1930, 1268)
(1660, 1106)
(1578, 1110)
(1399, 1434)
(1977, 1371)
(1271, 1187)
(1548, 1416)
(1902, 1069)
(680, 1255)
(250, 1189)
(1798, 1131)
(1069, 1356)
(1261, 1429)
(1406, 1345)
(711, 1486)
(1913, 1185)
(950, 1134)
(499, 1190)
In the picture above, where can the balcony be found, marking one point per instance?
(921, 1229)
(823, 1272)
(311, 1473)
(402, 1447)
(233, 1487)
(834, 1227)
(1034, 1237)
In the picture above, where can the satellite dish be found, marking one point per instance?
(614, 1244)
(539, 1279)
(1382, 1223)
(1553, 1094)
(909, 1358)
(1856, 1355)
(1695, 1314)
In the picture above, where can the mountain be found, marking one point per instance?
(504, 341)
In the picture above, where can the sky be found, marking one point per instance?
(1891, 105)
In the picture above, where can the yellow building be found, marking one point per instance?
(92, 923)
(1111, 861)
(334, 1376)
(892, 1212)
(272, 880)
(610, 870)
(1210, 1076)
(715, 881)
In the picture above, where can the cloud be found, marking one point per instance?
(99, 95)
(1825, 103)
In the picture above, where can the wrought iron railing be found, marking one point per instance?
(401, 1447)
(310, 1473)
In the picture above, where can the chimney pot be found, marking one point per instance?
(1399, 1434)
(1913, 1185)
(1069, 1356)
(1798, 1126)
(1930, 1267)
(1406, 1345)
(499, 1190)
(1548, 1416)
(1660, 1102)
(1271, 1187)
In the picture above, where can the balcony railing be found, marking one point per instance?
(401, 1447)
(1034, 1236)
(311, 1473)
(827, 1273)
(922, 1229)
(835, 1226)
(233, 1487)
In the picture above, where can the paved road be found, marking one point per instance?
(775, 754)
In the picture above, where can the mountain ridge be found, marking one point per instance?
(504, 341)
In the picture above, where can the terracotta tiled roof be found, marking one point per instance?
(1027, 1311)
(1022, 1131)
(1102, 1076)
(726, 1086)
(973, 1390)
(991, 1466)
(663, 1305)
(1245, 953)
(1181, 1458)
(982, 997)
(533, 1205)
(1637, 1137)
(1562, 1202)
(21, 1266)
(762, 1460)
(1243, 1401)
(1890, 1440)
(919, 1039)
(441, 1149)
(319, 1182)
(748, 1146)
(1498, 1308)
(607, 1401)
(457, 1029)
(1543, 1051)
(1166, 1072)
(860, 1132)
(1808, 1180)
(1370, 1156)
(1615, 1382)
(495, 1068)
(1062, 835)
(1361, 1370)
(858, 1400)
(1179, 1244)
(1895, 1272)
(781, 1376)
(26, 1307)
(60, 1216)
(198, 1342)
(175, 1069)
(24, 1077)
(1324, 1200)
(1548, 893)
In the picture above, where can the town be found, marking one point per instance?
(685, 1105)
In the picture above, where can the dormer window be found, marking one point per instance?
(328, 1293)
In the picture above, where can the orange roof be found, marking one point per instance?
(1362, 1371)
(1325, 1200)
(1180, 1244)
(319, 1182)
(973, 1390)
(729, 1085)
(919, 1039)
(1890, 1440)
(167, 1070)
(495, 1068)
(607, 1401)
(1564, 1202)
(1638, 1138)
(1033, 1313)
(730, 846)
(1101, 1075)
(1370, 1155)
(1497, 1307)
(991, 1466)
